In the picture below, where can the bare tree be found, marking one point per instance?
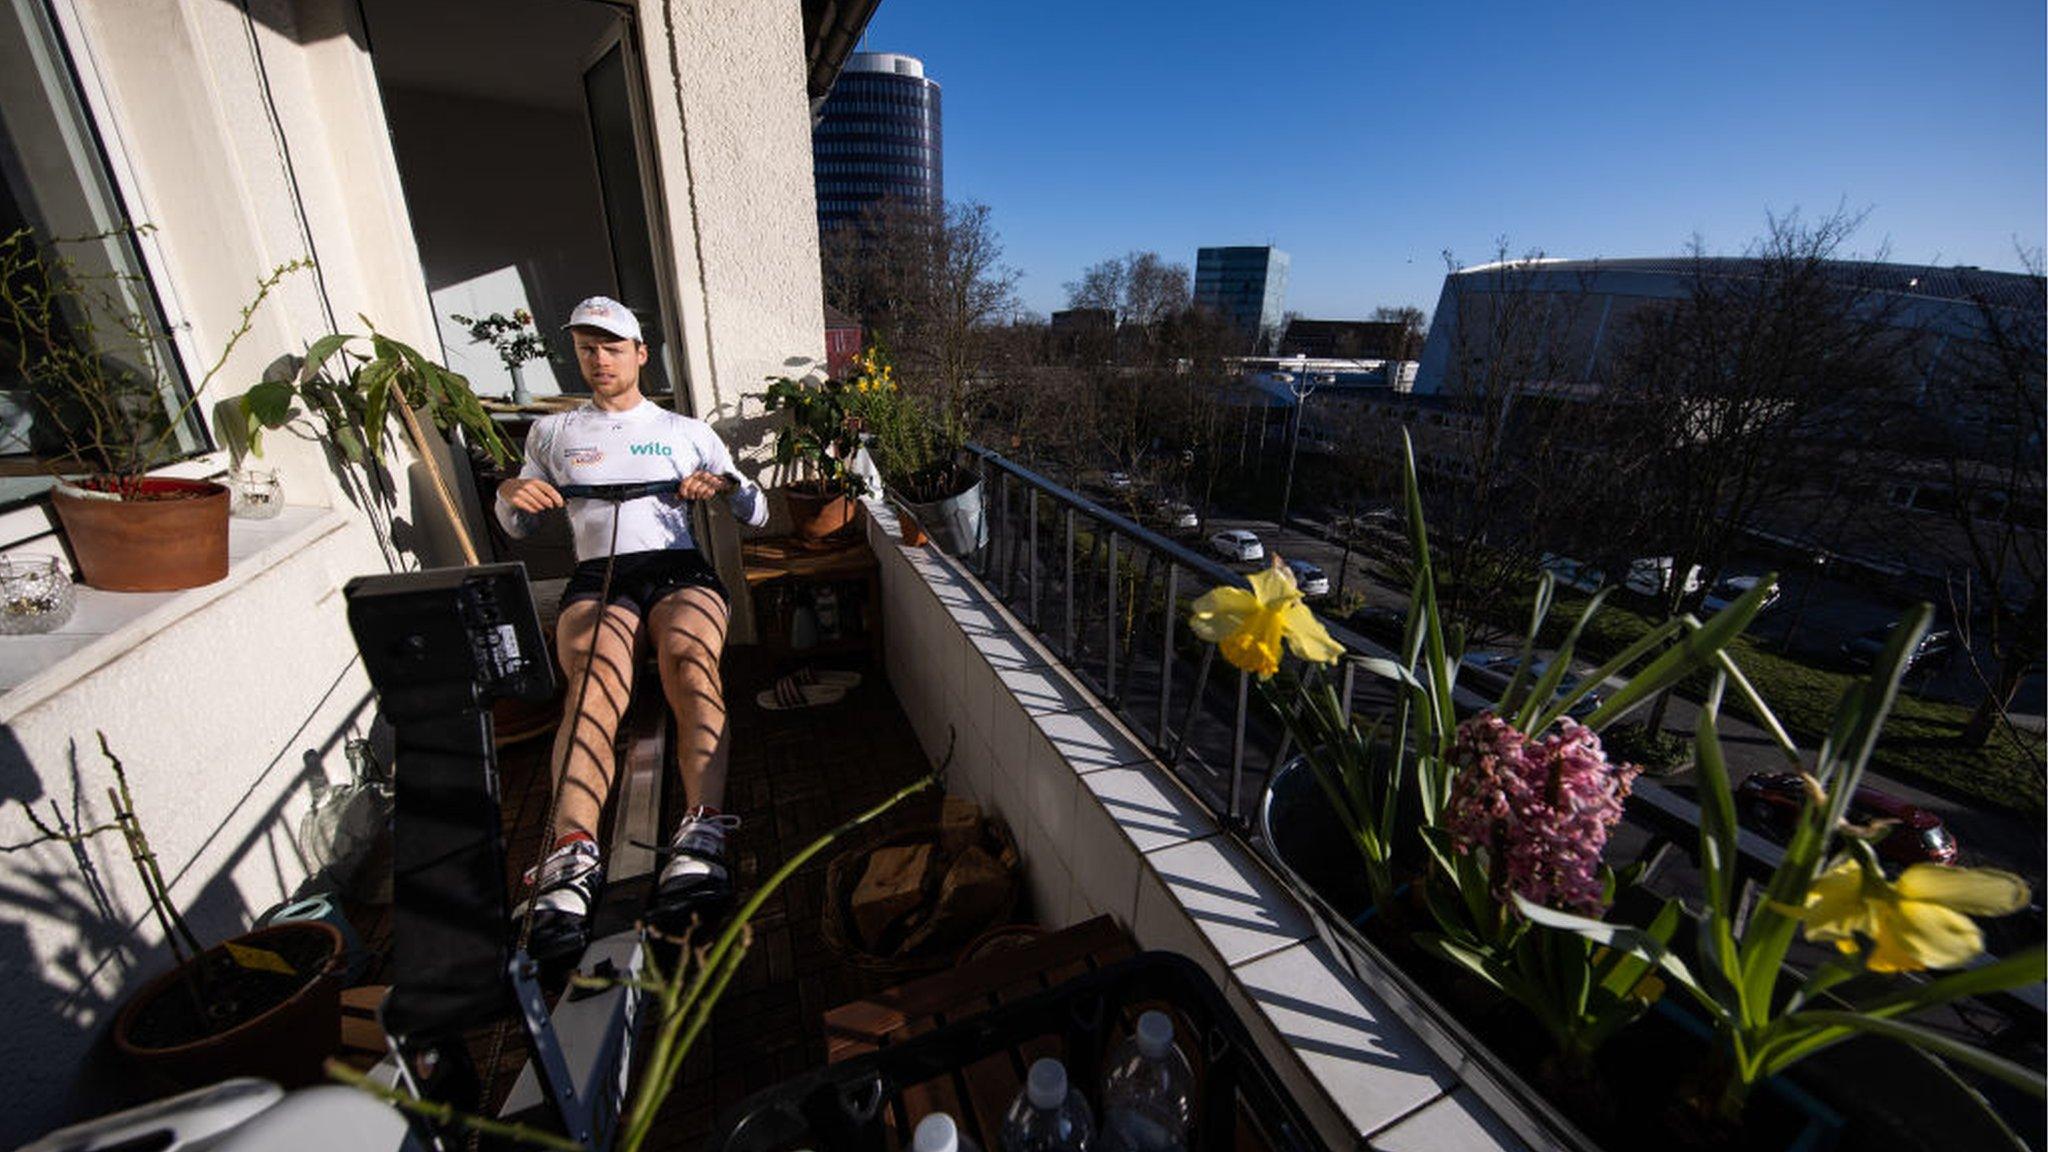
(931, 286)
(1141, 290)
(1986, 394)
(1491, 471)
(1752, 383)
(1414, 324)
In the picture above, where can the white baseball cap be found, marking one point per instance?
(606, 315)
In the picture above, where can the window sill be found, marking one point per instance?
(107, 625)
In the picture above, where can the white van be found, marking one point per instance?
(1651, 576)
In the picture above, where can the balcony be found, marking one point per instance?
(1104, 828)
(1045, 738)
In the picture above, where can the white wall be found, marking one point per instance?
(253, 142)
(224, 713)
(733, 132)
(732, 128)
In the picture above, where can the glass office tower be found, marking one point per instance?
(878, 138)
(1248, 286)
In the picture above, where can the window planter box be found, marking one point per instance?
(1298, 834)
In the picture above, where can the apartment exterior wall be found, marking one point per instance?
(249, 139)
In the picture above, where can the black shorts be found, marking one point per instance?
(640, 579)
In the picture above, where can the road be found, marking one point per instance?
(1986, 837)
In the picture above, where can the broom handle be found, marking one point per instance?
(441, 490)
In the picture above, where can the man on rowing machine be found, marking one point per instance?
(638, 573)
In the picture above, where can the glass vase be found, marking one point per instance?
(259, 495)
(36, 594)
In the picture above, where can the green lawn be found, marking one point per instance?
(1919, 741)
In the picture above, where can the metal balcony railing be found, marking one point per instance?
(1109, 596)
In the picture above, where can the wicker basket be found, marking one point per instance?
(943, 946)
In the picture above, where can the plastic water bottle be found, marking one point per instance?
(1147, 1097)
(1048, 1115)
(938, 1133)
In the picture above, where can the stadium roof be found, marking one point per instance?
(1961, 282)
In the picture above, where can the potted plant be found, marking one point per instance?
(515, 340)
(356, 394)
(920, 454)
(99, 364)
(817, 446)
(1523, 957)
(264, 1003)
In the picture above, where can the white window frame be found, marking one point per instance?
(35, 524)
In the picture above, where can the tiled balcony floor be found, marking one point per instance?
(794, 776)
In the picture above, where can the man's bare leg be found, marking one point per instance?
(584, 760)
(571, 873)
(688, 632)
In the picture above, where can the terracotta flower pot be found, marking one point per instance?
(910, 530)
(175, 537)
(280, 1032)
(814, 518)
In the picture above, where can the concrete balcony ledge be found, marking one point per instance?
(1105, 828)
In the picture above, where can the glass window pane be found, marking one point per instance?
(54, 185)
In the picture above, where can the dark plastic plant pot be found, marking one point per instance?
(285, 1039)
(174, 538)
(1307, 845)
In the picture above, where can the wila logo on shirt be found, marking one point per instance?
(655, 449)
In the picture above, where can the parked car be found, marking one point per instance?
(1309, 578)
(1489, 671)
(1179, 516)
(1380, 622)
(1651, 576)
(1861, 650)
(1237, 544)
(1572, 573)
(1732, 589)
(1769, 802)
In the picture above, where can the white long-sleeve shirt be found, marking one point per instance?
(645, 442)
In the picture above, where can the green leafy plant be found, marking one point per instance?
(916, 444)
(1517, 799)
(1768, 1015)
(356, 394)
(513, 337)
(1581, 994)
(821, 435)
(682, 995)
(99, 363)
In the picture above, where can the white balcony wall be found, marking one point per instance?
(1105, 829)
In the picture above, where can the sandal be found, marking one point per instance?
(829, 677)
(788, 694)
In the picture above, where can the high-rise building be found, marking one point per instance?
(1246, 285)
(877, 138)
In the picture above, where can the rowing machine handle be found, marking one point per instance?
(619, 491)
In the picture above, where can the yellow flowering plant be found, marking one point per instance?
(1769, 1015)
(915, 443)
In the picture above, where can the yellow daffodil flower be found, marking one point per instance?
(1248, 627)
(1920, 921)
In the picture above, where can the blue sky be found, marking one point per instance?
(1365, 138)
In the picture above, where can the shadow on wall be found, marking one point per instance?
(76, 933)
